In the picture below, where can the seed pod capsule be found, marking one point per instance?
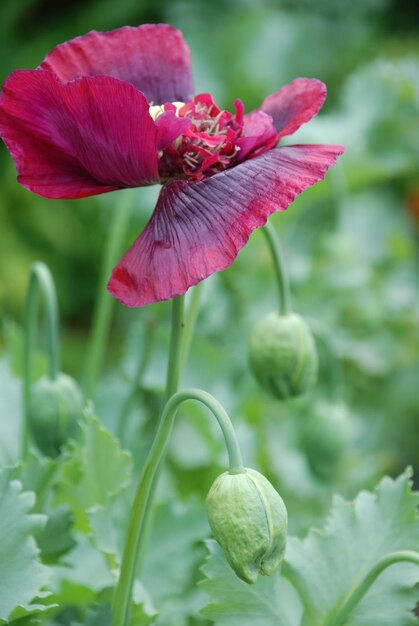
(248, 518)
(283, 355)
(55, 408)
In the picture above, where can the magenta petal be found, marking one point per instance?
(295, 104)
(77, 139)
(170, 127)
(259, 135)
(198, 229)
(153, 57)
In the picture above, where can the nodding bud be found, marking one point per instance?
(55, 408)
(283, 355)
(248, 518)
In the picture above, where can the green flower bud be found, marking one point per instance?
(55, 408)
(326, 437)
(283, 355)
(248, 518)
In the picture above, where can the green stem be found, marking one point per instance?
(285, 305)
(174, 372)
(102, 315)
(359, 592)
(190, 323)
(135, 535)
(173, 365)
(40, 281)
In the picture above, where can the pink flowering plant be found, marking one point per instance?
(107, 111)
(110, 111)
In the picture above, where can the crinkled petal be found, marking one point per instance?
(77, 139)
(259, 134)
(170, 127)
(198, 229)
(295, 104)
(153, 57)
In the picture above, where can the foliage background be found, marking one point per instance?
(351, 245)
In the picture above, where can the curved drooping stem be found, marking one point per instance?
(285, 305)
(136, 530)
(40, 283)
(343, 612)
(183, 326)
(102, 314)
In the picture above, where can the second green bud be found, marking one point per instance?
(283, 355)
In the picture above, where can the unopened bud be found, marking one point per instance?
(248, 518)
(283, 355)
(54, 411)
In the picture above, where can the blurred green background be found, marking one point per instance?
(351, 243)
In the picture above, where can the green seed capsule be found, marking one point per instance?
(248, 518)
(55, 408)
(283, 355)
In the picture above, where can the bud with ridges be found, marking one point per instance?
(55, 408)
(283, 355)
(248, 518)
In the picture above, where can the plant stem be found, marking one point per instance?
(174, 372)
(190, 323)
(40, 281)
(173, 364)
(135, 535)
(359, 592)
(285, 305)
(104, 304)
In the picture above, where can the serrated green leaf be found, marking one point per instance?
(22, 575)
(171, 555)
(81, 575)
(271, 601)
(10, 415)
(96, 469)
(327, 566)
(143, 612)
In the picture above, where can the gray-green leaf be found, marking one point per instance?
(22, 575)
(271, 601)
(327, 566)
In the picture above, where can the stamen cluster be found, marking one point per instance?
(209, 144)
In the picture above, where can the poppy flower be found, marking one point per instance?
(107, 111)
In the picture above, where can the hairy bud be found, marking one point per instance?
(54, 411)
(248, 518)
(282, 355)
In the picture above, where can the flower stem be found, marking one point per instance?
(343, 612)
(190, 323)
(135, 535)
(174, 365)
(40, 281)
(104, 304)
(285, 305)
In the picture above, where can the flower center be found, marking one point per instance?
(209, 144)
(158, 109)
